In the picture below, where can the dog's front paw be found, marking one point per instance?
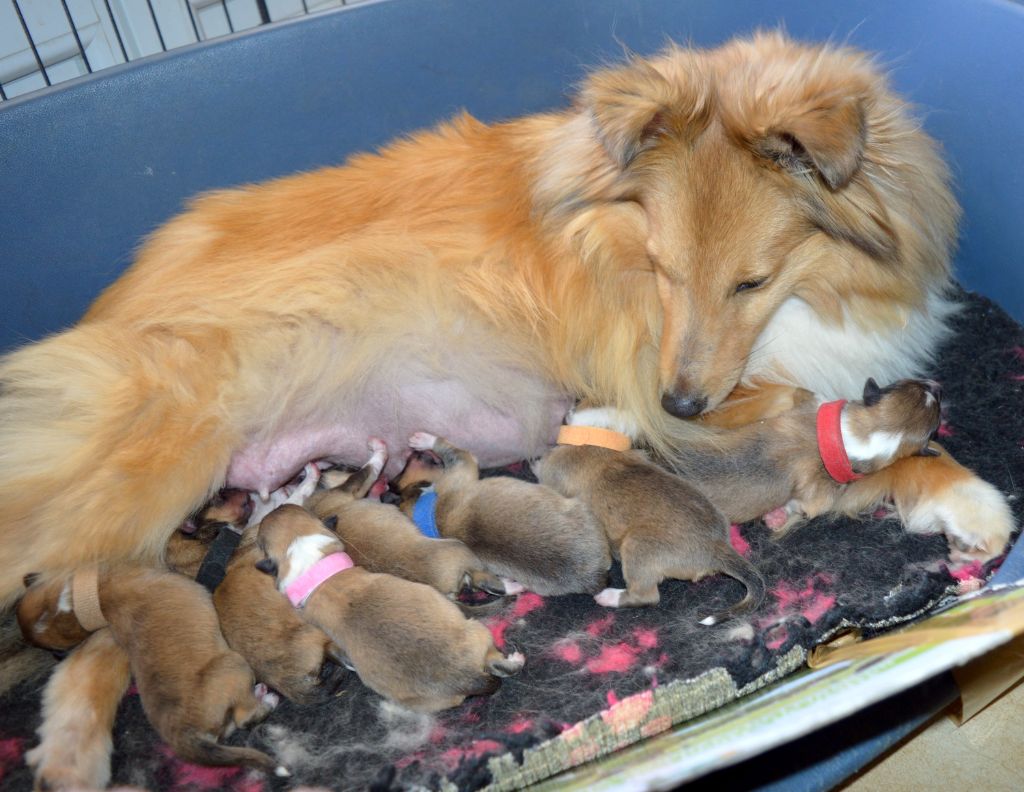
(609, 597)
(377, 446)
(422, 441)
(973, 515)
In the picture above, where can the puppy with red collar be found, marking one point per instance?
(806, 457)
(194, 688)
(404, 640)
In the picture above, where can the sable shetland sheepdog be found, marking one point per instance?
(702, 230)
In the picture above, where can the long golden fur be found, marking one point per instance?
(764, 212)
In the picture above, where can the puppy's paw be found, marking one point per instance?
(609, 597)
(265, 696)
(512, 586)
(776, 519)
(422, 441)
(377, 446)
(973, 515)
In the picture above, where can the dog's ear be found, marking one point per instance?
(331, 523)
(826, 134)
(267, 566)
(30, 579)
(872, 393)
(634, 105)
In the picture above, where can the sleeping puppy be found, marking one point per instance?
(194, 688)
(658, 525)
(805, 457)
(380, 538)
(404, 640)
(501, 518)
(284, 652)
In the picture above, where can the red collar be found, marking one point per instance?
(830, 442)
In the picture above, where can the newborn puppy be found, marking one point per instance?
(188, 546)
(194, 689)
(658, 525)
(750, 471)
(404, 640)
(527, 532)
(380, 538)
(285, 651)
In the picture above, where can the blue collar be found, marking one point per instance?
(423, 513)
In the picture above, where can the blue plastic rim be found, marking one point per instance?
(87, 170)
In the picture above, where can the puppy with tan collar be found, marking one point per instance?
(380, 538)
(194, 688)
(404, 640)
(500, 518)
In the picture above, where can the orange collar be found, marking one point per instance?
(592, 435)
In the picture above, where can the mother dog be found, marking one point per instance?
(701, 231)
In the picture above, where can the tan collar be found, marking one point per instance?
(595, 436)
(85, 599)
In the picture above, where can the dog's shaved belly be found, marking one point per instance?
(495, 436)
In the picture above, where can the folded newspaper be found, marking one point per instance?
(844, 676)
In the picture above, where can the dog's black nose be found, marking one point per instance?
(685, 406)
(390, 498)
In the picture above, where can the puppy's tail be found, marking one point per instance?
(205, 751)
(735, 565)
(109, 436)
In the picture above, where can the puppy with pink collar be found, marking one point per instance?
(405, 640)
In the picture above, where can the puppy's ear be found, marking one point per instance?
(331, 523)
(267, 566)
(635, 105)
(872, 393)
(30, 579)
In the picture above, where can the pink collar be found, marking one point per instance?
(830, 442)
(298, 590)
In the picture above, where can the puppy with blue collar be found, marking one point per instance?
(527, 533)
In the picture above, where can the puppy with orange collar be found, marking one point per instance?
(381, 538)
(804, 458)
(404, 640)
(192, 699)
(500, 519)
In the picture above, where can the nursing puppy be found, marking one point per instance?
(381, 538)
(501, 518)
(698, 220)
(658, 525)
(404, 640)
(194, 688)
(284, 651)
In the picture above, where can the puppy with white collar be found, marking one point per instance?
(404, 640)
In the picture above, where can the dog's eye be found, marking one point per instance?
(746, 285)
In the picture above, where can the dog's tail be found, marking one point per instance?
(108, 438)
(735, 565)
(204, 750)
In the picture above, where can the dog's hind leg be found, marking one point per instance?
(79, 705)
